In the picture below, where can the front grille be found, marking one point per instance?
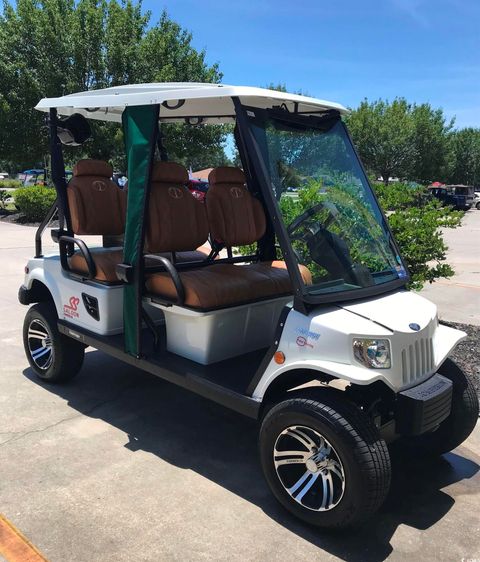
(417, 360)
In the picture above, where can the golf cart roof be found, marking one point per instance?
(189, 102)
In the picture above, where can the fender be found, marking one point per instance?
(37, 272)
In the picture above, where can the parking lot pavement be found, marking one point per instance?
(458, 298)
(120, 466)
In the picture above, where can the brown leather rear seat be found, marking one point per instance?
(236, 218)
(98, 207)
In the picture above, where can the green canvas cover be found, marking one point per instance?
(140, 129)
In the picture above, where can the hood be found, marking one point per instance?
(395, 311)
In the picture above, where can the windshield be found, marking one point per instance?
(332, 219)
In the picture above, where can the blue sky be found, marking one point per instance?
(424, 50)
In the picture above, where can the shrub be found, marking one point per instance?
(416, 220)
(10, 184)
(34, 202)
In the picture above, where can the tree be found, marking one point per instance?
(432, 143)
(399, 139)
(465, 157)
(384, 135)
(56, 47)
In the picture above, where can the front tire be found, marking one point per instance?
(324, 460)
(53, 356)
(453, 431)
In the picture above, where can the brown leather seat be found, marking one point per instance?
(97, 207)
(235, 218)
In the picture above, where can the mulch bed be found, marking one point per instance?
(467, 352)
(18, 218)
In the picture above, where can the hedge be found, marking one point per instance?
(34, 202)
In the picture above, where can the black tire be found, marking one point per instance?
(356, 442)
(66, 356)
(478, 206)
(453, 431)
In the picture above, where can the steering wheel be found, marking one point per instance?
(299, 231)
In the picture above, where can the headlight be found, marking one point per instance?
(374, 354)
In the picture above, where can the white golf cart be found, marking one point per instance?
(281, 296)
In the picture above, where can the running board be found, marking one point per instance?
(169, 367)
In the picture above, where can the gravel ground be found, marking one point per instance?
(467, 353)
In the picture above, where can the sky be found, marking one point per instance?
(345, 50)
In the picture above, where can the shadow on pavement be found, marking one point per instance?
(193, 433)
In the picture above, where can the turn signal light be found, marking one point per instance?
(279, 357)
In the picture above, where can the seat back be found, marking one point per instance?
(235, 217)
(177, 222)
(97, 205)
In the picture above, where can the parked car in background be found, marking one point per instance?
(3, 175)
(37, 176)
(476, 200)
(459, 196)
(198, 188)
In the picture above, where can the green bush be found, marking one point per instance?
(10, 184)
(416, 220)
(34, 202)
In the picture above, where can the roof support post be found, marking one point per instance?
(255, 155)
(140, 128)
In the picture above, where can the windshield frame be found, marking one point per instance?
(303, 299)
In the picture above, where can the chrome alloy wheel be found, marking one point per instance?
(40, 344)
(309, 468)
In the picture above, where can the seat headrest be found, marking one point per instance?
(92, 168)
(169, 172)
(236, 217)
(226, 174)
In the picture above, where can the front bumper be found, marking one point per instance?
(422, 408)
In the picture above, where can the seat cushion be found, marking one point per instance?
(223, 285)
(274, 268)
(106, 260)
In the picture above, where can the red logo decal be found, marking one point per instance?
(302, 342)
(70, 309)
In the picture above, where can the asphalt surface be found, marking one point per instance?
(121, 466)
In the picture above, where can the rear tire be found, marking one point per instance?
(463, 417)
(324, 460)
(53, 356)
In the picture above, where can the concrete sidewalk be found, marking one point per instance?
(458, 298)
(120, 466)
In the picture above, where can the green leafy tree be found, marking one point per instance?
(56, 47)
(384, 134)
(432, 143)
(465, 157)
(399, 139)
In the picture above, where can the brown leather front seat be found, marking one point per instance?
(236, 218)
(97, 207)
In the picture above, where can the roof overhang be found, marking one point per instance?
(188, 102)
